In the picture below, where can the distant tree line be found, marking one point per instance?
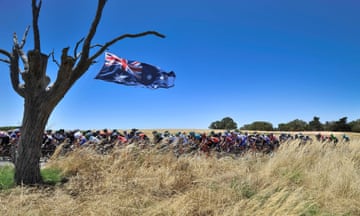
(7, 128)
(228, 123)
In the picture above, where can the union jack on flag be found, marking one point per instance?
(129, 72)
(132, 67)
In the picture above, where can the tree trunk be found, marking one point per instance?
(37, 110)
(27, 163)
(40, 98)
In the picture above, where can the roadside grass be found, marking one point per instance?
(51, 176)
(6, 177)
(312, 180)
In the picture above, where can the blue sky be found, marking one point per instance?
(251, 60)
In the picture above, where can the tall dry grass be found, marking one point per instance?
(309, 180)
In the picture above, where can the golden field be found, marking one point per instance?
(314, 179)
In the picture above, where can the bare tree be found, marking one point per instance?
(40, 98)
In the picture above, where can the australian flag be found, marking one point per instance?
(134, 73)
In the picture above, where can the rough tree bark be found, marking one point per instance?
(40, 98)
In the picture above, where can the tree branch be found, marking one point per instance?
(96, 45)
(84, 61)
(76, 47)
(108, 44)
(5, 61)
(93, 46)
(14, 73)
(66, 65)
(36, 12)
(53, 59)
(87, 43)
(19, 51)
(62, 83)
(4, 52)
(23, 41)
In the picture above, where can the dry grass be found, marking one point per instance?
(310, 180)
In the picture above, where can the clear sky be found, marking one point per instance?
(251, 60)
